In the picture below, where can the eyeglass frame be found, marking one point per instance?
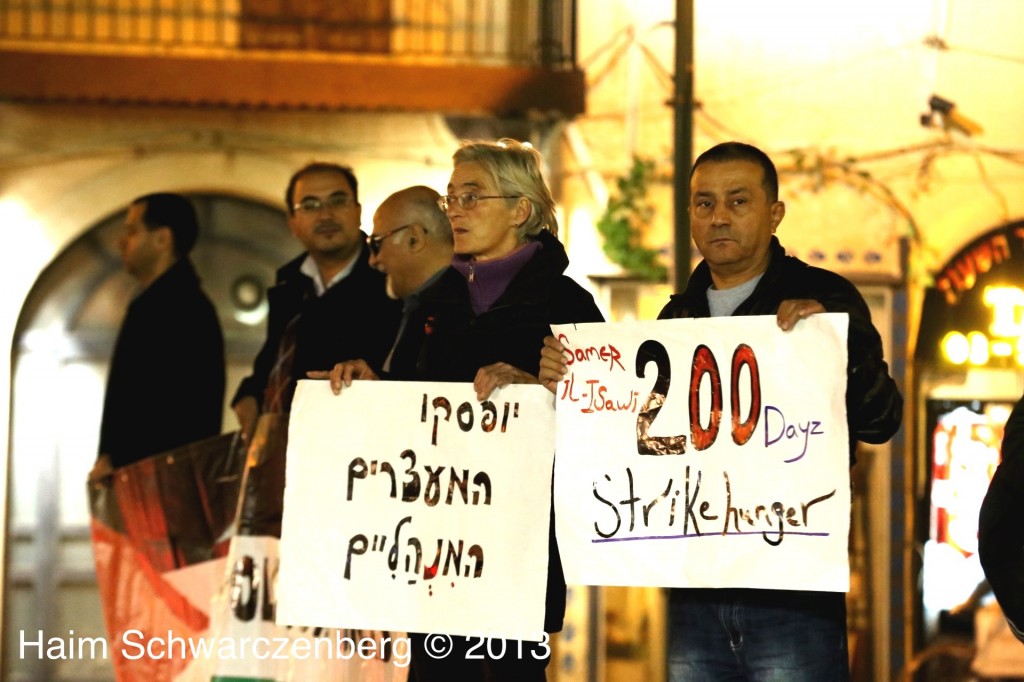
(335, 201)
(445, 200)
(375, 241)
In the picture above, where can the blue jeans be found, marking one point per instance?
(757, 635)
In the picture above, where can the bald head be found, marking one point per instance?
(411, 240)
(418, 204)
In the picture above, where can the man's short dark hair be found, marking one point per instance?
(738, 151)
(319, 167)
(174, 212)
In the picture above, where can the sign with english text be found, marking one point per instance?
(416, 507)
(704, 453)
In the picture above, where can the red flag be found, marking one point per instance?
(161, 528)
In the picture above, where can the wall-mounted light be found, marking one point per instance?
(944, 113)
(249, 298)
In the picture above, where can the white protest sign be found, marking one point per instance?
(415, 507)
(704, 453)
(243, 642)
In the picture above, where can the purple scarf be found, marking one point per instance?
(488, 279)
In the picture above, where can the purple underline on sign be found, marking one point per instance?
(686, 536)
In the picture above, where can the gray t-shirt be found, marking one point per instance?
(724, 301)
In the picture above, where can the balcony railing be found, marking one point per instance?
(499, 32)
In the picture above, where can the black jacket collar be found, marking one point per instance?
(695, 298)
(179, 276)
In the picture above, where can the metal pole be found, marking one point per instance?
(683, 153)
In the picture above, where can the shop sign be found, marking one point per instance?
(974, 316)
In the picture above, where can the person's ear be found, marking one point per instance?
(522, 211)
(164, 238)
(416, 240)
(778, 212)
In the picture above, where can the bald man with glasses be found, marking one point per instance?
(412, 246)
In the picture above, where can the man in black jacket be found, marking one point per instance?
(1000, 531)
(172, 328)
(328, 305)
(744, 634)
(411, 244)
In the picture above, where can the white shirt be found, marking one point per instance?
(310, 269)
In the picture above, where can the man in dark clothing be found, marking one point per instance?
(873, 404)
(746, 634)
(411, 245)
(1000, 531)
(328, 305)
(171, 328)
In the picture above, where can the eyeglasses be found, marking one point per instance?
(467, 200)
(377, 240)
(314, 204)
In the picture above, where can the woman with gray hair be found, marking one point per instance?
(485, 322)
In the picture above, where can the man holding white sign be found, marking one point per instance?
(734, 632)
